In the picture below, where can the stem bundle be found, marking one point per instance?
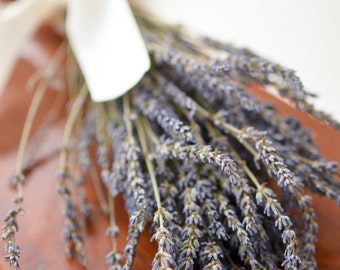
(198, 157)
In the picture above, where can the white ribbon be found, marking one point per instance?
(103, 34)
(18, 22)
(108, 46)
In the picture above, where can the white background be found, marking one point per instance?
(301, 34)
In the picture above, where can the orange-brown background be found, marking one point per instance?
(41, 227)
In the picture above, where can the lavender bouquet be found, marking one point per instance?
(219, 174)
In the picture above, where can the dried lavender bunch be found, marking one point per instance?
(220, 176)
(73, 241)
(11, 227)
(289, 85)
(9, 230)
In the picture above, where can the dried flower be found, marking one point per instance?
(199, 159)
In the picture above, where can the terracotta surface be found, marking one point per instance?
(41, 227)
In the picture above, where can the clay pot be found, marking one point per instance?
(41, 226)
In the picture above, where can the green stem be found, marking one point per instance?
(76, 108)
(32, 111)
(149, 165)
(98, 189)
(112, 221)
(145, 150)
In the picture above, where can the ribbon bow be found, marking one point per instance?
(103, 34)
